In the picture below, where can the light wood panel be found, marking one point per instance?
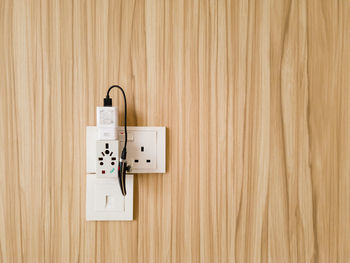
(255, 97)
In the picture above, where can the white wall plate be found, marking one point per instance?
(145, 148)
(104, 200)
(145, 154)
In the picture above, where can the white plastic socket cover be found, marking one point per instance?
(104, 201)
(145, 148)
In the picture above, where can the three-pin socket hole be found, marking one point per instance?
(142, 150)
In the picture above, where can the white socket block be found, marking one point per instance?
(104, 200)
(146, 152)
(145, 148)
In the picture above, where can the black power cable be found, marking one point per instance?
(107, 102)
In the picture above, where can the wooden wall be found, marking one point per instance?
(254, 94)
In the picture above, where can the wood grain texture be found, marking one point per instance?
(254, 94)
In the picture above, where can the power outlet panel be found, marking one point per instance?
(107, 155)
(145, 148)
(141, 149)
(145, 154)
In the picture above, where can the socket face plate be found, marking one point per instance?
(149, 159)
(141, 149)
(145, 148)
(107, 158)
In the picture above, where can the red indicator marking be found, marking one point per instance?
(103, 171)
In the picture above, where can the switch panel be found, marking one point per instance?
(104, 201)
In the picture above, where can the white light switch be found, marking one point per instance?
(104, 201)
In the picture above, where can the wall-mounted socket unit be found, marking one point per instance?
(145, 154)
(113, 154)
(145, 148)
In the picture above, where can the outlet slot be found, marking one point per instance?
(142, 149)
(148, 161)
(136, 161)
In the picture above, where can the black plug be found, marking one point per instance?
(122, 168)
(107, 102)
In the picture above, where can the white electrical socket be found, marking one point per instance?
(145, 148)
(104, 200)
(107, 155)
(152, 139)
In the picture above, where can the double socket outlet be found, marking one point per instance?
(145, 149)
(145, 154)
